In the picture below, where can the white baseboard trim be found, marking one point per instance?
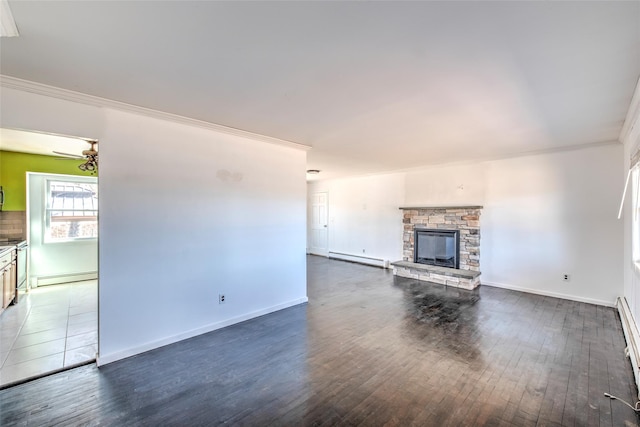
(549, 294)
(63, 278)
(317, 253)
(377, 262)
(632, 337)
(119, 355)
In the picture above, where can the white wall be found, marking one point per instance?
(62, 260)
(181, 223)
(448, 185)
(552, 214)
(185, 213)
(364, 215)
(544, 216)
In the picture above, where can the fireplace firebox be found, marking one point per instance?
(437, 247)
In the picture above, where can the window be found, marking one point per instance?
(72, 210)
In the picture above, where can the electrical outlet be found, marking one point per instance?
(363, 251)
(566, 277)
(221, 298)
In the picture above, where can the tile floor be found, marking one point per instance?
(51, 327)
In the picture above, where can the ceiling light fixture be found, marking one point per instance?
(8, 26)
(91, 165)
(313, 171)
(90, 157)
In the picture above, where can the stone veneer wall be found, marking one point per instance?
(463, 218)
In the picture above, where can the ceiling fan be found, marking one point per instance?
(90, 155)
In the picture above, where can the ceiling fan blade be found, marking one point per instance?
(75, 156)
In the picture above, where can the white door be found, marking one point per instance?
(319, 229)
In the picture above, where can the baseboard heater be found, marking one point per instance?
(632, 336)
(62, 278)
(377, 262)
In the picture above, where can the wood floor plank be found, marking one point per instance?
(368, 349)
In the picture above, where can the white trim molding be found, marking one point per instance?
(112, 357)
(63, 278)
(632, 337)
(95, 101)
(549, 294)
(376, 262)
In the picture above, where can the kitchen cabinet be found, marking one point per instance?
(9, 272)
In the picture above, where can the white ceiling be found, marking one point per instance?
(371, 86)
(40, 143)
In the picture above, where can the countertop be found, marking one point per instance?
(8, 245)
(12, 242)
(5, 249)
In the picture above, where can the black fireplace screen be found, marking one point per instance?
(437, 247)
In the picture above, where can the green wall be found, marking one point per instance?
(13, 177)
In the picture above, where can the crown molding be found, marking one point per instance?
(95, 101)
(631, 127)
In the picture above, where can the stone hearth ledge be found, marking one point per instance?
(465, 279)
(412, 208)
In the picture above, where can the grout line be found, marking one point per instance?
(32, 309)
(66, 334)
(15, 338)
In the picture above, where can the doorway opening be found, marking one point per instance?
(54, 324)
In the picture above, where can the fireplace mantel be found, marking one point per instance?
(412, 208)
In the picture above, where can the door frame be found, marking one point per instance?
(316, 250)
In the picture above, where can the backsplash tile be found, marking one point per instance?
(13, 225)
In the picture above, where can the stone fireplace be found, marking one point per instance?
(462, 225)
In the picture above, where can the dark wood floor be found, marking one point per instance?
(368, 349)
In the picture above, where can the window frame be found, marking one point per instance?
(48, 208)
